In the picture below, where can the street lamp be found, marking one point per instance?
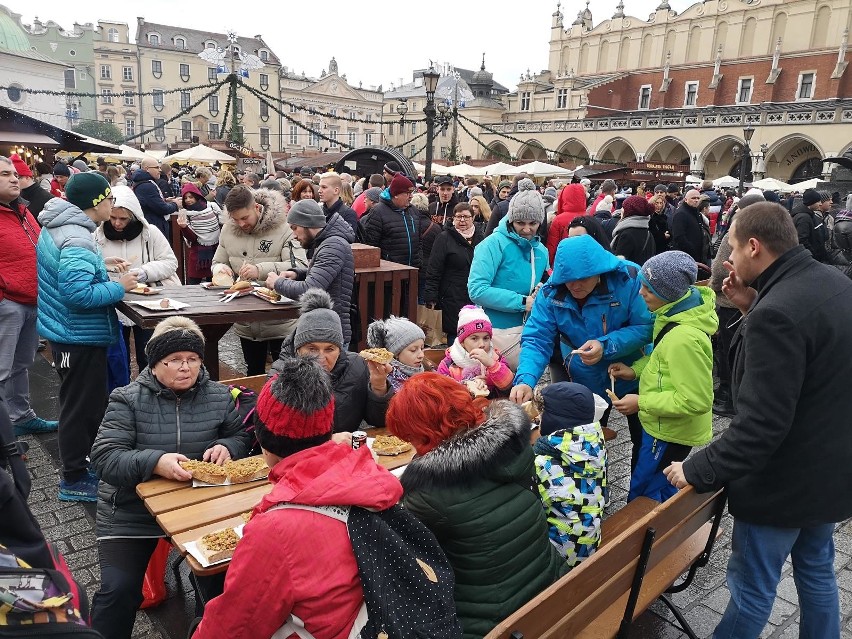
(430, 82)
(748, 131)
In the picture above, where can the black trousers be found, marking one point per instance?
(140, 340)
(727, 328)
(255, 354)
(82, 402)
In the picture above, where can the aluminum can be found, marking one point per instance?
(359, 438)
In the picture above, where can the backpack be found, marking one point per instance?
(408, 582)
(245, 400)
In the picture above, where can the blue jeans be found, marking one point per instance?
(754, 571)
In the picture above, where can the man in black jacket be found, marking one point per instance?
(393, 224)
(810, 228)
(785, 458)
(442, 209)
(156, 208)
(688, 229)
(330, 186)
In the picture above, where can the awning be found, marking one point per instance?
(26, 137)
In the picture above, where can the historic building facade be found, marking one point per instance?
(116, 65)
(330, 106)
(678, 89)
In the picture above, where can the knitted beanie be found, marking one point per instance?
(811, 197)
(81, 166)
(298, 403)
(400, 184)
(60, 168)
(373, 194)
(669, 274)
(566, 405)
(87, 190)
(318, 322)
(20, 166)
(527, 205)
(472, 319)
(174, 335)
(605, 204)
(503, 184)
(306, 213)
(636, 205)
(395, 334)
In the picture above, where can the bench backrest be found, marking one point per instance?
(589, 590)
(254, 382)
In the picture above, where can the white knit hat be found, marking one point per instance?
(605, 204)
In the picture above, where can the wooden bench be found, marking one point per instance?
(255, 382)
(646, 547)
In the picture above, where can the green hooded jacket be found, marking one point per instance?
(676, 379)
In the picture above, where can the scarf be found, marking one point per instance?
(632, 222)
(205, 225)
(471, 368)
(401, 373)
(133, 230)
(468, 234)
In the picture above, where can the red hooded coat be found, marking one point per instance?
(571, 204)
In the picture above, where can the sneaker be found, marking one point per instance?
(724, 409)
(84, 489)
(36, 425)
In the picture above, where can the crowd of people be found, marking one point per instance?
(559, 301)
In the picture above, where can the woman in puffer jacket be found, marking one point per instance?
(145, 251)
(171, 413)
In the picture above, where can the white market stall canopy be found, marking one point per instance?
(693, 179)
(498, 168)
(459, 170)
(126, 153)
(421, 168)
(200, 154)
(542, 169)
(807, 184)
(771, 184)
(726, 182)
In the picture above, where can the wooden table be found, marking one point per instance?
(185, 513)
(206, 310)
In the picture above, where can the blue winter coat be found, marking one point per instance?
(75, 296)
(614, 314)
(505, 269)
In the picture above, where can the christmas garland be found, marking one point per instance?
(76, 94)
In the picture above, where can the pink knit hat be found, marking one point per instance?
(472, 319)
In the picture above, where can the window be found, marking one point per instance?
(313, 139)
(160, 129)
(112, 35)
(264, 109)
(127, 74)
(106, 72)
(414, 128)
(369, 117)
(293, 108)
(213, 103)
(210, 45)
(353, 138)
(185, 130)
(184, 70)
(158, 98)
(294, 134)
(264, 80)
(332, 112)
(129, 128)
(444, 152)
(562, 99)
(352, 115)
(211, 74)
(239, 106)
(106, 96)
(444, 131)
(264, 136)
(72, 112)
(70, 79)
(525, 101)
(645, 96)
(153, 39)
(390, 128)
(264, 55)
(109, 120)
(412, 151)
(368, 138)
(213, 130)
(690, 94)
(129, 99)
(157, 67)
(184, 100)
(180, 43)
(333, 135)
(744, 90)
(806, 86)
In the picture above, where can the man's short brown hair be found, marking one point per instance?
(769, 223)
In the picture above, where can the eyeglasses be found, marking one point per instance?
(462, 218)
(111, 201)
(177, 364)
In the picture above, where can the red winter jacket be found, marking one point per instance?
(299, 562)
(18, 238)
(571, 204)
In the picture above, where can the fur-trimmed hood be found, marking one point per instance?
(475, 454)
(274, 213)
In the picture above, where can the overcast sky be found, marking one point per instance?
(373, 42)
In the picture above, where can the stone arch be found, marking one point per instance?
(668, 150)
(717, 158)
(624, 54)
(647, 49)
(572, 152)
(497, 151)
(747, 40)
(693, 45)
(532, 150)
(616, 151)
(819, 36)
(787, 154)
(779, 30)
(603, 56)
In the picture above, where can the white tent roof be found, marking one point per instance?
(726, 181)
(693, 179)
(459, 170)
(421, 168)
(771, 184)
(498, 168)
(200, 154)
(542, 169)
(807, 184)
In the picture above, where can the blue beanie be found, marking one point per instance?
(566, 405)
(669, 274)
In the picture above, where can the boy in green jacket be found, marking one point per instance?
(676, 380)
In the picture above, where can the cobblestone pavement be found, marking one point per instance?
(71, 527)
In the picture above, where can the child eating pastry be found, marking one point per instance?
(405, 340)
(472, 355)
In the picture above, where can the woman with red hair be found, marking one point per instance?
(469, 483)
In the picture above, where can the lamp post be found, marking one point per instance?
(748, 131)
(430, 82)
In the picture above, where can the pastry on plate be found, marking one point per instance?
(222, 279)
(390, 445)
(380, 355)
(247, 469)
(268, 293)
(205, 471)
(218, 545)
